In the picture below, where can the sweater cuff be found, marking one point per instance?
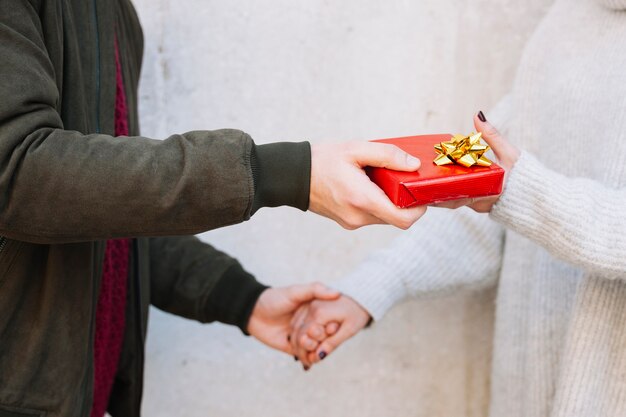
(233, 298)
(282, 175)
(528, 193)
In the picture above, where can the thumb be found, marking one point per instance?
(329, 345)
(503, 149)
(385, 156)
(308, 292)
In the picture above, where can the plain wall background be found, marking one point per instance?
(324, 71)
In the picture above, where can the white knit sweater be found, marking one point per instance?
(555, 244)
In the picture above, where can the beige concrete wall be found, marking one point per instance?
(325, 71)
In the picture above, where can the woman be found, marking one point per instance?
(554, 242)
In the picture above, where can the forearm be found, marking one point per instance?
(444, 252)
(578, 220)
(192, 279)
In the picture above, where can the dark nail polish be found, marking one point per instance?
(289, 338)
(322, 355)
(306, 368)
(295, 358)
(481, 116)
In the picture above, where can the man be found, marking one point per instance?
(88, 214)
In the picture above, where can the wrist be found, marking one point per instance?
(254, 314)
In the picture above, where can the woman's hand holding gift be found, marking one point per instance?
(507, 155)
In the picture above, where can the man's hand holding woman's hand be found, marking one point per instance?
(320, 327)
(270, 321)
(306, 321)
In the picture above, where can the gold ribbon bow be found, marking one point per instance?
(463, 150)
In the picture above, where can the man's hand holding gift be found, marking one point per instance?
(341, 191)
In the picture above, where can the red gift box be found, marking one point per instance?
(431, 183)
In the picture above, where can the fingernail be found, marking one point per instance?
(295, 358)
(322, 355)
(412, 161)
(289, 338)
(481, 116)
(306, 368)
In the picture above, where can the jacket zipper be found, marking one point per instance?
(3, 243)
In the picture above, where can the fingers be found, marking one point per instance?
(304, 347)
(372, 206)
(454, 204)
(308, 292)
(300, 343)
(506, 152)
(479, 204)
(296, 321)
(312, 357)
(309, 329)
(298, 339)
(342, 191)
(331, 328)
(316, 332)
(306, 343)
(329, 345)
(308, 340)
(385, 156)
(322, 292)
(490, 134)
(321, 326)
(381, 207)
(358, 219)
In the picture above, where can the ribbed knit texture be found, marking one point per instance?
(111, 308)
(555, 244)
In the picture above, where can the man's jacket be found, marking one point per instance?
(67, 185)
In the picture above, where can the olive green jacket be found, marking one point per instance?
(67, 185)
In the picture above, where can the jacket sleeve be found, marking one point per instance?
(61, 186)
(192, 279)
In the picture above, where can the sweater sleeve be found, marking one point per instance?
(444, 252)
(578, 220)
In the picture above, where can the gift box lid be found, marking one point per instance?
(432, 183)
